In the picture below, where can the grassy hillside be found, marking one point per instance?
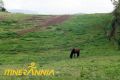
(50, 48)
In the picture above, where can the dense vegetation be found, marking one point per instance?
(50, 48)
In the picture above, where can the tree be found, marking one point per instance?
(2, 8)
(115, 25)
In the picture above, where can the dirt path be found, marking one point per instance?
(50, 21)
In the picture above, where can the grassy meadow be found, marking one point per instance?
(49, 48)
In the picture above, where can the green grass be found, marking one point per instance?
(50, 49)
(13, 22)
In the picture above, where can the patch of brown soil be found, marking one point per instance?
(50, 21)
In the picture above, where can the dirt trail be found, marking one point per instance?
(50, 21)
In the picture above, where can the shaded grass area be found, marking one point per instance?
(50, 49)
